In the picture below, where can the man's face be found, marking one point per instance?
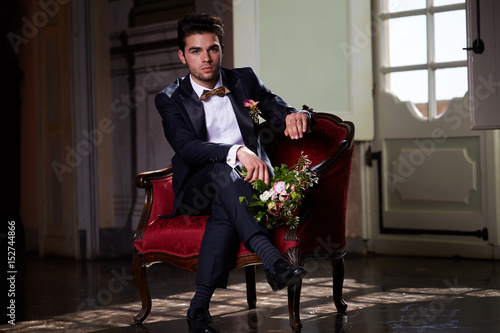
(203, 56)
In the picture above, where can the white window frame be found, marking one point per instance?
(431, 65)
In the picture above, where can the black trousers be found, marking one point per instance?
(215, 190)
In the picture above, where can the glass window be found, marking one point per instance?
(411, 86)
(407, 41)
(450, 36)
(451, 82)
(423, 60)
(393, 6)
(447, 2)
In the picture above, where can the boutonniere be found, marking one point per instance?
(254, 110)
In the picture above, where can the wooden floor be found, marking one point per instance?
(384, 294)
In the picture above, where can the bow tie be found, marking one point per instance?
(221, 91)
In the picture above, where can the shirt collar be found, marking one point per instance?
(199, 89)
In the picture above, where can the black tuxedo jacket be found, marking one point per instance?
(185, 129)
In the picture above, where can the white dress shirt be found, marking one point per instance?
(222, 126)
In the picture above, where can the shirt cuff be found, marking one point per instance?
(231, 156)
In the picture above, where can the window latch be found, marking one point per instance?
(478, 44)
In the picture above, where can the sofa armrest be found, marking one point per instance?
(146, 181)
(343, 147)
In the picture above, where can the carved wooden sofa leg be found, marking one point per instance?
(251, 288)
(338, 284)
(294, 256)
(140, 269)
(293, 306)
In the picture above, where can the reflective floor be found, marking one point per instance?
(383, 293)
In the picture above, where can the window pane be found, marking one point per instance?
(393, 6)
(411, 86)
(447, 2)
(407, 41)
(450, 36)
(450, 83)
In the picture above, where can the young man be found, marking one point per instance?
(213, 134)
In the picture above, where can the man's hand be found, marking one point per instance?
(256, 168)
(296, 125)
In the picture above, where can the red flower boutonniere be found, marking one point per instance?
(254, 110)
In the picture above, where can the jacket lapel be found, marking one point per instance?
(245, 122)
(193, 107)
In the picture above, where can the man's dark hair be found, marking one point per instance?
(198, 24)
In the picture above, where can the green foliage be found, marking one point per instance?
(278, 203)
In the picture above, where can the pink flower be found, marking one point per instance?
(254, 110)
(284, 196)
(249, 103)
(279, 187)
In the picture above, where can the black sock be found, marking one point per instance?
(201, 298)
(267, 252)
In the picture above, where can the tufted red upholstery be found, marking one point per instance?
(330, 196)
(322, 231)
(181, 236)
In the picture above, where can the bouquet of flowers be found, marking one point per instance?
(278, 203)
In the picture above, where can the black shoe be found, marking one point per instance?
(285, 274)
(200, 321)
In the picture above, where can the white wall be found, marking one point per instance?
(310, 52)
